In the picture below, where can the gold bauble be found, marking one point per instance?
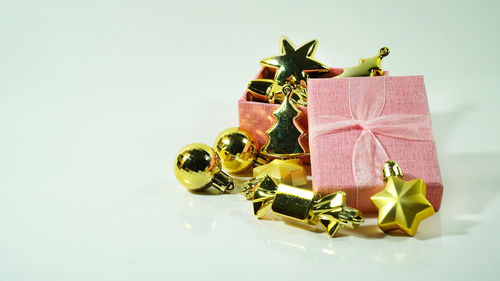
(237, 149)
(198, 167)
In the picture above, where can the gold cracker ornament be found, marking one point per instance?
(402, 204)
(290, 172)
(305, 206)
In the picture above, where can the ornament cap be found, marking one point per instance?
(223, 182)
(390, 169)
(261, 160)
(383, 52)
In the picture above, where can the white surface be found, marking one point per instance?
(97, 97)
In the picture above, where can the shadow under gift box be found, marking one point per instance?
(400, 127)
(257, 117)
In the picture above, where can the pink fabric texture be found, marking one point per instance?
(356, 124)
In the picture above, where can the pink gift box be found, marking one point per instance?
(356, 124)
(256, 116)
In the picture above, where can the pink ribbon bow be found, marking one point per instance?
(366, 102)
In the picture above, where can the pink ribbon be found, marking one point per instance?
(366, 103)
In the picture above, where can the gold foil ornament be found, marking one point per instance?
(262, 89)
(390, 169)
(367, 66)
(292, 67)
(290, 172)
(294, 61)
(304, 205)
(402, 204)
(270, 91)
(248, 188)
(197, 167)
(238, 150)
(285, 137)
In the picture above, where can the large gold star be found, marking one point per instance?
(402, 205)
(295, 61)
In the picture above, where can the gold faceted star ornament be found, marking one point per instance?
(294, 61)
(402, 204)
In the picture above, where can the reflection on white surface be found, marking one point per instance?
(225, 225)
(383, 248)
(328, 251)
(288, 244)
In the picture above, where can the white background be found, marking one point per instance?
(97, 97)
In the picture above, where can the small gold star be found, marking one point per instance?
(402, 205)
(289, 171)
(295, 61)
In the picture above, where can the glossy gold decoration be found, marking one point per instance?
(291, 67)
(294, 61)
(304, 205)
(248, 188)
(261, 89)
(284, 137)
(367, 67)
(290, 172)
(238, 150)
(197, 167)
(270, 91)
(391, 168)
(402, 204)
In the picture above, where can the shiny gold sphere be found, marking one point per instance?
(237, 149)
(195, 166)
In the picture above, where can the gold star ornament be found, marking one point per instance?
(290, 172)
(402, 204)
(293, 61)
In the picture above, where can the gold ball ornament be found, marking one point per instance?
(237, 148)
(197, 167)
